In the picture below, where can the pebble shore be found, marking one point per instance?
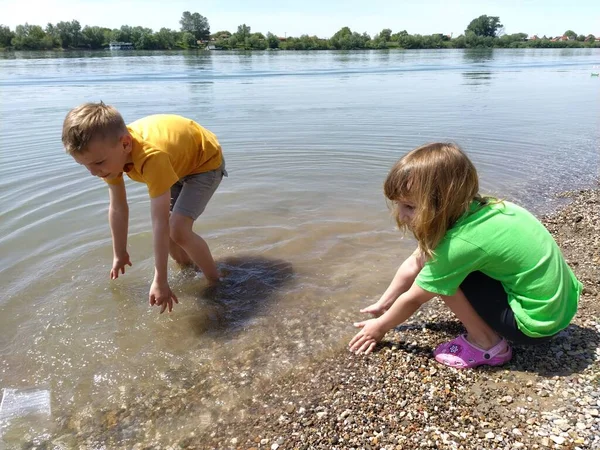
(547, 397)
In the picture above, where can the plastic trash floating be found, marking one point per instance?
(24, 402)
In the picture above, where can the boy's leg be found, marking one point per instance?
(193, 245)
(176, 252)
(179, 254)
(197, 190)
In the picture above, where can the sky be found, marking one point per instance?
(316, 17)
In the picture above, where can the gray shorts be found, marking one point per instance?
(190, 195)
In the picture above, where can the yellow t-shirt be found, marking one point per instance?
(166, 148)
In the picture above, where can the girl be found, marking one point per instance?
(491, 262)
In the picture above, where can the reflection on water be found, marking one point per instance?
(477, 78)
(478, 55)
(300, 225)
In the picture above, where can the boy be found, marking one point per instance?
(180, 162)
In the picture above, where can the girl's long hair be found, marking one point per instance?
(442, 182)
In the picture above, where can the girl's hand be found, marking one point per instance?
(365, 340)
(376, 309)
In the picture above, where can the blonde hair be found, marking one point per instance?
(88, 122)
(442, 182)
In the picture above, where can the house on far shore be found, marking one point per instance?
(120, 46)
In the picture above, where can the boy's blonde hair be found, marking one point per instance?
(442, 182)
(91, 121)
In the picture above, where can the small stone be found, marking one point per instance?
(545, 442)
(558, 439)
(517, 432)
(322, 414)
(274, 446)
(506, 399)
(490, 435)
(234, 441)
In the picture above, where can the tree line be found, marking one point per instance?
(484, 31)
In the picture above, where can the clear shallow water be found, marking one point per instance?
(301, 224)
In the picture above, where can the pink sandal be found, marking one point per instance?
(461, 354)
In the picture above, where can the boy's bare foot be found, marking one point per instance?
(215, 281)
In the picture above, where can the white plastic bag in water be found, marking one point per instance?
(24, 402)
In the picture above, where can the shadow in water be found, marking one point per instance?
(570, 351)
(251, 283)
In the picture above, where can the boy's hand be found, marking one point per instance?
(161, 295)
(364, 342)
(119, 263)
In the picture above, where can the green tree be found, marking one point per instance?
(345, 39)
(31, 37)
(142, 38)
(272, 40)
(94, 36)
(146, 41)
(385, 35)
(107, 35)
(459, 42)
(195, 24)
(52, 33)
(570, 34)
(122, 34)
(257, 41)
(221, 35)
(187, 40)
(581, 38)
(166, 39)
(378, 42)
(484, 26)
(6, 36)
(243, 32)
(69, 33)
(224, 43)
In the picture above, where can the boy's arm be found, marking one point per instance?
(373, 330)
(118, 219)
(160, 292)
(402, 281)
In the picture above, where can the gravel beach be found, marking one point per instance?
(548, 396)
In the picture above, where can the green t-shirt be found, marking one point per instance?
(508, 244)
